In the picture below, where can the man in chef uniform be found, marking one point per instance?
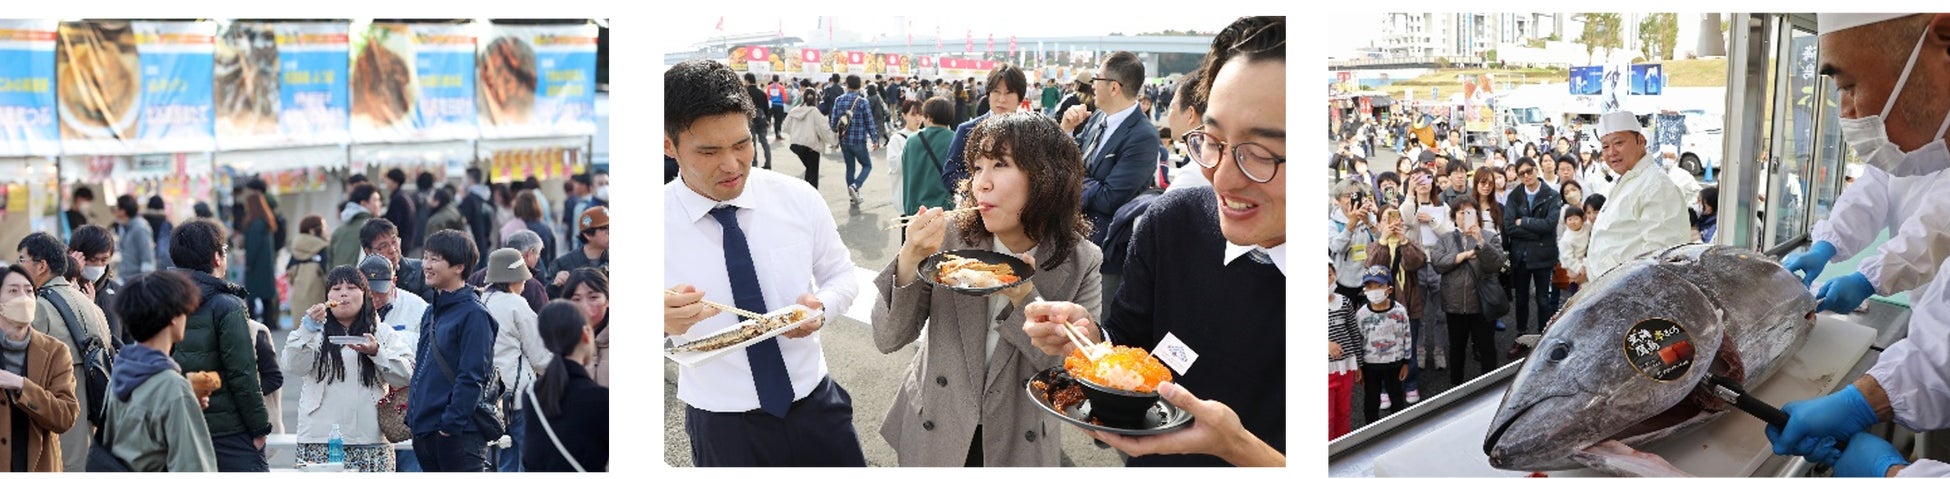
(1901, 144)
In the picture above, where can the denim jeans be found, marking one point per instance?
(509, 459)
(856, 153)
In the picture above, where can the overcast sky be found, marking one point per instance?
(954, 30)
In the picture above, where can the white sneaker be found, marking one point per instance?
(1384, 402)
(853, 194)
(1414, 396)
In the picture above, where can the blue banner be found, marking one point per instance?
(1587, 80)
(313, 76)
(28, 125)
(177, 62)
(444, 66)
(537, 81)
(1648, 79)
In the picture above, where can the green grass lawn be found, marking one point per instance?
(1679, 73)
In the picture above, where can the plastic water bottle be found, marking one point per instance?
(335, 447)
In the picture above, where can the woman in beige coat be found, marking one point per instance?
(36, 383)
(961, 403)
(307, 272)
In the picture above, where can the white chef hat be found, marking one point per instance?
(1618, 121)
(1827, 23)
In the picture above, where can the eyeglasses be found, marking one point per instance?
(1258, 163)
(1094, 79)
(1526, 172)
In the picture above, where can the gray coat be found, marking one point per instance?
(950, 388)
(1459, 279)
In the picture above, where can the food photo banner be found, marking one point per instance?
(128, 87)
(541, 80)
(412, 83)
(28, 125)
(281, 84)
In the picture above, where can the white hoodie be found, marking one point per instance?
(807, 127)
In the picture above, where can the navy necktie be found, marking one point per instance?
(768, 364)
(1091, 136)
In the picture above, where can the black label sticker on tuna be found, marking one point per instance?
(1659, 348)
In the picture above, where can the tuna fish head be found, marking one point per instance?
(1627, 348)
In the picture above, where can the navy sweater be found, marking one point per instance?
(1232, 315)
(460, 327)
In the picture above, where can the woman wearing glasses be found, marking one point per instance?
(1022, 198)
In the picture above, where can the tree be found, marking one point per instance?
(1601, 31)
(1658, 33)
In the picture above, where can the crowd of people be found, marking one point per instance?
(125, 348)
(1430, 260)
(1075, 185)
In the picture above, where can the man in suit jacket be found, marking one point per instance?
(1119, 144)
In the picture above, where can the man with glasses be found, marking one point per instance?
(1119, 145)
(1645, 211)
(1530, 222)
(1006, 86)
(1207, 269)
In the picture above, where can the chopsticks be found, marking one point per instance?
(1090, 350)
(729, 309)
(901, 222)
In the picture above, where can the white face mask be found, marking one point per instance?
(1869, 137)
(93, 273)
(602, 193)
(1376, 296)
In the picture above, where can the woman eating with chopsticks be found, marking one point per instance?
(960, 403)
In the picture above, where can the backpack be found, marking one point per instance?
(843, 120)
(97, 359)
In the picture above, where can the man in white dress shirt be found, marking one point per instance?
(760, 241)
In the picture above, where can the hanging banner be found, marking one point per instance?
(541, 80)
(1587, 80)
(315, 81)
(856, 62)
(28, 125)
(177, 61)
(754, 59)
(281, 84)
(247, 83)
(803, 61)
(1648, 79)
(445, 66)
(383, 86)
(833, 61)
(129, 87)
(412, 82)
(924, 67)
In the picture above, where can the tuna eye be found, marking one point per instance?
(1559, 352)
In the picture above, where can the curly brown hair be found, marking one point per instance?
(1054, 166)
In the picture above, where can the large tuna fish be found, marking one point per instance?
(1622, 360)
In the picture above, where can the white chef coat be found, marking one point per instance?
(1646, 213)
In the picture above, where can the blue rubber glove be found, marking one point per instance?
(1810, 263)
(1868, 456)
(1815, 425)
(1846, 293)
